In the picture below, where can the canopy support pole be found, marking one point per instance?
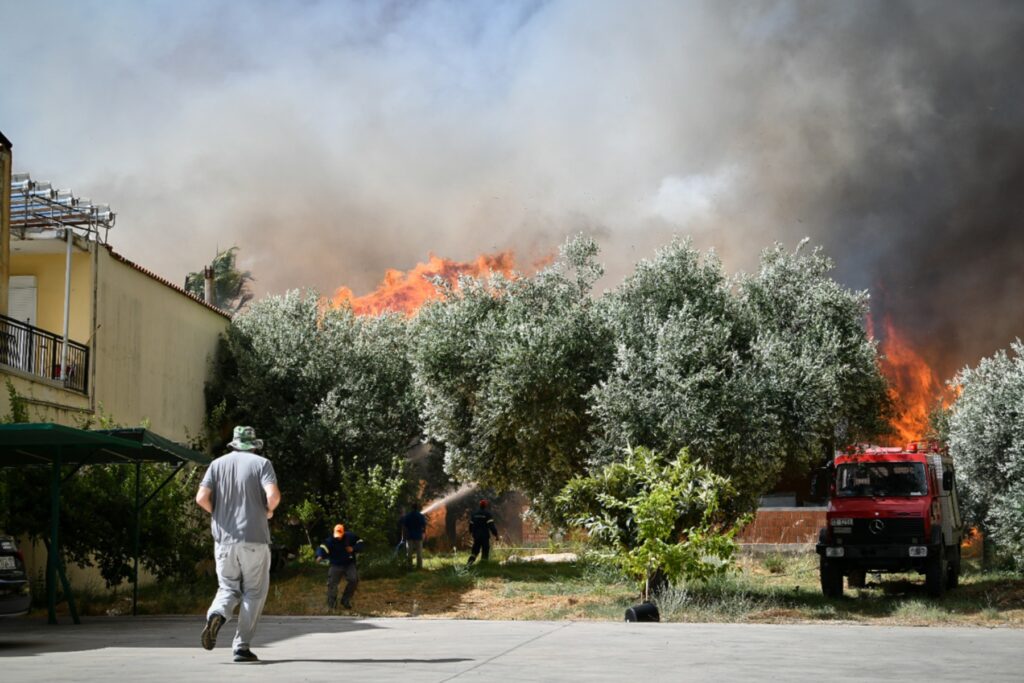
(68, 595)
(54, 561)
(135, 540)
(51, 551)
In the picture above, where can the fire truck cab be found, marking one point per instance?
(891, 510)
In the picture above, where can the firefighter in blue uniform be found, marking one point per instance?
(481, 525)
(340, 552)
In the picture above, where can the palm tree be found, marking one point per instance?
(230, 285)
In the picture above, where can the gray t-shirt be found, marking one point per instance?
(239, 501)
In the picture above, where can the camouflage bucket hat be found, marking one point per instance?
(245, 440)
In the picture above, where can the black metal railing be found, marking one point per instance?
(38, 352)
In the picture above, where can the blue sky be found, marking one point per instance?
(332, 140)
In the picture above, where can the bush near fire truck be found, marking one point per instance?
(986, 437)
(891, 510)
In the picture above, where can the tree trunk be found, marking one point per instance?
(657, 582)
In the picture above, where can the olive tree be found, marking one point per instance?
(325, 389)
(503, 368)
(750, 373)
(986, 438)
(822, 381)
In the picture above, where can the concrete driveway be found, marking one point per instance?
(421, 650)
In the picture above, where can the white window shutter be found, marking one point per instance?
(21, 298)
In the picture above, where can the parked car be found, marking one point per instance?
(15, 597)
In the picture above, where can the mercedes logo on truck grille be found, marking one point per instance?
(876, 526)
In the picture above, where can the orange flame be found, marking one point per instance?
(407, 292)
(914, 386)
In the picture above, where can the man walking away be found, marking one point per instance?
(414, 526)
(340, 551)
(240, 492)
(481, 525)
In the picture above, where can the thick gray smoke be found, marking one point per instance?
(331, 141)
(905, 160)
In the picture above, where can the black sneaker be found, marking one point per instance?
(245, 655)
(346, 604)
(213, 624)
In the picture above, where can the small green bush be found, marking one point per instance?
(775, 563)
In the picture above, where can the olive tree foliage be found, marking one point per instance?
(659, 517)
(751, 374)
(825, 386)
(503, 367)
(986, 438)
(325, 389)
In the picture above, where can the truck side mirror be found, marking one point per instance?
(947, 481)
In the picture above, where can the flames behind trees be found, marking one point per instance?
(914, 386)
(406, 292)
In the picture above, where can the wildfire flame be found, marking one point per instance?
(914, 386)
(406, 292)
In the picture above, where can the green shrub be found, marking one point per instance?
(665, 520)
(368, 504)
(775, 563)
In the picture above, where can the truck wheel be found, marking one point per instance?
(953, 577)
(857, 578)
(831, 580)
(937, 573)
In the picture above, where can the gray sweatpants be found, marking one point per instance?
(243, 577)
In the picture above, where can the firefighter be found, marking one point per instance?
(339, 552)
(481, 525)
(414, 526)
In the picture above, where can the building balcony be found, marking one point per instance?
(37, 352)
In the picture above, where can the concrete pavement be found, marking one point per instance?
(422, 650)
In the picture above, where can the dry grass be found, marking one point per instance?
(779, 590)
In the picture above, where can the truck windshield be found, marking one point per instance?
(881, 479)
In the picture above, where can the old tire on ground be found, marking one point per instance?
(857, 578)
(646, 611)
(937, 573)
(831, 579)
(953, 573)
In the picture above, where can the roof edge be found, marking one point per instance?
(163, 281)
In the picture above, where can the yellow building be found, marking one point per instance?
(139, 347)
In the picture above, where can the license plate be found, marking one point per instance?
(6, 562)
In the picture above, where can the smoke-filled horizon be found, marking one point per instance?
(331, 141)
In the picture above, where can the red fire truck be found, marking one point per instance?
(891, 510)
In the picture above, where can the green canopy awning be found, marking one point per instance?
(55, 445)
(156, 448)
(44, 443)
